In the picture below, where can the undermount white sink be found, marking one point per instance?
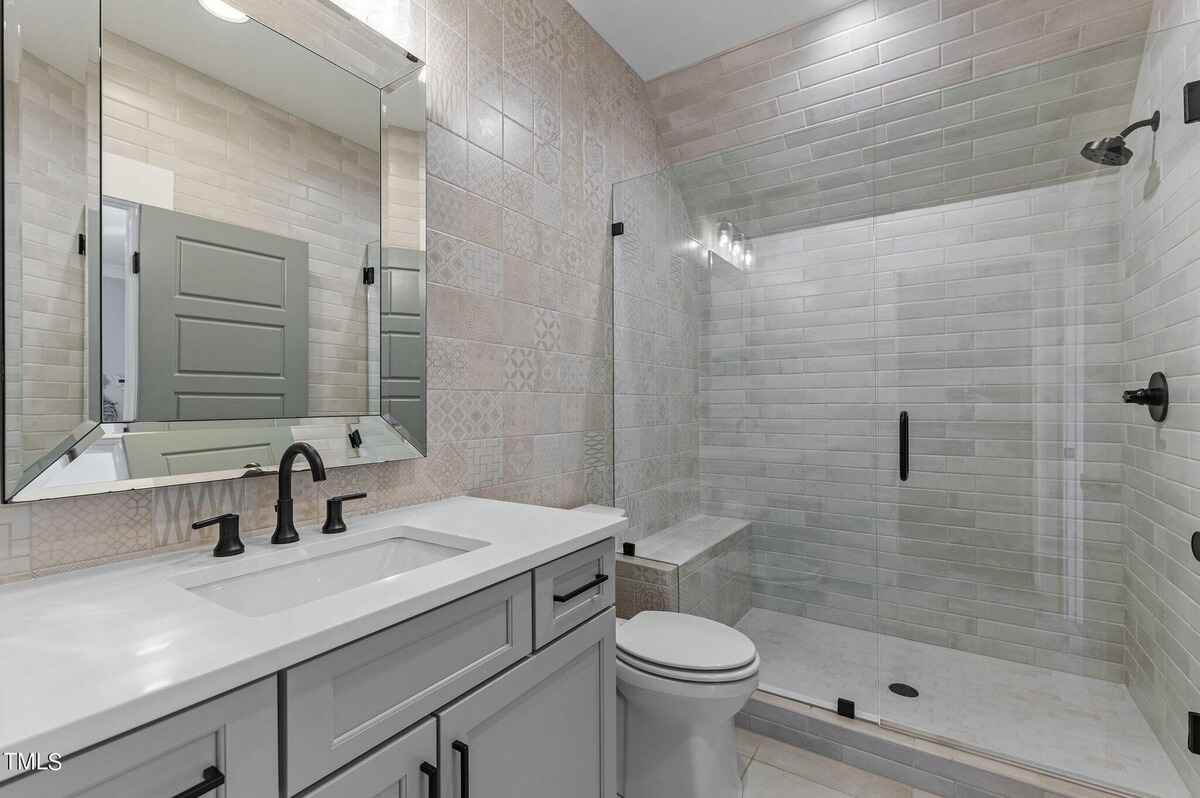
(325, 569)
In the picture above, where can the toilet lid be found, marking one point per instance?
(685, 642)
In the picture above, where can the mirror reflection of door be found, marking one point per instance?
(223, 320)
(402, 336)
(118, 300)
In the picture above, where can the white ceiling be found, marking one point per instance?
(660, 36)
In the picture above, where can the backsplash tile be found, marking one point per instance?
(91, 529)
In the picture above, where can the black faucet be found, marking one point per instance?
(285, 528)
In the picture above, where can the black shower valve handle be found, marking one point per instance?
(1154, 396)
(1143, 396)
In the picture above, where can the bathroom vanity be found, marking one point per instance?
(456, 648)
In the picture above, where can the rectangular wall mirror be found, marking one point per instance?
(214, 248)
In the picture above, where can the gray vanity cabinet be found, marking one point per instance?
(404, 768)
(544, 729)
(233, 737)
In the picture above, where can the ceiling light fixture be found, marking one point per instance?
(223, 11)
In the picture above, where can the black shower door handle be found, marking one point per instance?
(903, 445)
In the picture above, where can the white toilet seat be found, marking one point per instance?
(629, 676)
(686, 647)
(688, 675)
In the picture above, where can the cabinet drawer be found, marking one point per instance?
(341, 704)
(394, 770)
(235, 733)
(559, 603)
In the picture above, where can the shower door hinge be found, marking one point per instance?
(845, 708)
(618, 229)
(82, 244)
(368, 275)
(1194, 732)
(137, 263)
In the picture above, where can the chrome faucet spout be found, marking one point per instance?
(285, 527)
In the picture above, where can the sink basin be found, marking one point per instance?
(325, 569)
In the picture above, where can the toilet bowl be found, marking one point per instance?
(683, 679)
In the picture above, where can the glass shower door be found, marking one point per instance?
(790, 426)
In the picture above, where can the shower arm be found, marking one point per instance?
(1151, 123)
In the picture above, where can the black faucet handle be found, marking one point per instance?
(333, 512)
(229, 541)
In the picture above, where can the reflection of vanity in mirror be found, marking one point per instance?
(220, 251)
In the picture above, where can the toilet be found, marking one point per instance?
(683, 679)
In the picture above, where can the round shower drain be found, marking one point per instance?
(902, 689)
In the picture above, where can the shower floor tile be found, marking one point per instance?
(1069, 724)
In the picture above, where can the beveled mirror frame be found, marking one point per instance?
(398, 68)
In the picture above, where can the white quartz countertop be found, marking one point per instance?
(88, 655)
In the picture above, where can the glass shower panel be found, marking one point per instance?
(998, 320)
(788, 395)
(676, 560)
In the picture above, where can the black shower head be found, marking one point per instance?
(1109, 152)
(1112, 151)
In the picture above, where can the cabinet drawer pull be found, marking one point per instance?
(213, 778)
(435, 784)
(464, 768)
(599, 580)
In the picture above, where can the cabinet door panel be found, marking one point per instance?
(235, 733)
(545, 729)
(393, 771)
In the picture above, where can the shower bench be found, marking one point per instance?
(700, 566)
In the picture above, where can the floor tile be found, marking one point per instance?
(764, 781)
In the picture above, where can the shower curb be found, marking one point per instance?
(928, 765)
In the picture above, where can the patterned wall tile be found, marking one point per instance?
(174, 510)
(547, 329)
(90, 529)
(486, 79)
(485, 462)
(485, 174)
(486, 126)
(463, 415)
(521, 370)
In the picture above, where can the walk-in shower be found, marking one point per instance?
(928, 244)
